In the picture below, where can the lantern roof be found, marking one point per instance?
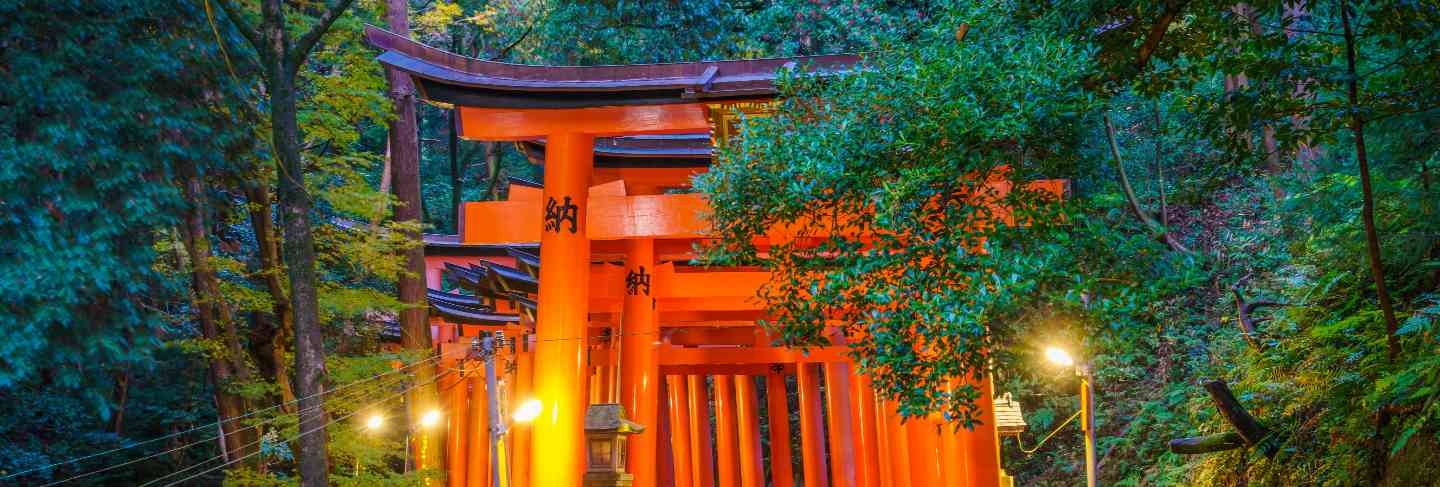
(450, 78)
(609, 418)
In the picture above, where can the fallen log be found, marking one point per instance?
(1206, 444)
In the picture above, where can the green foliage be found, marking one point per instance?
(916, 169)
(87, 162)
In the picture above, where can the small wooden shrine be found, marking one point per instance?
(589, 271)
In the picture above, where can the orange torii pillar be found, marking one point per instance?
(812, 434)
(837, 407)
(702, 454)
(867, 464)
(727, 464)
(521, 392)
(478, 431)
(456, 394)
(563, 316)
(924, 451)
(782, 474)
(639, 362)
(897, 444)
(675, 392)
(752, 467)
(981, 444)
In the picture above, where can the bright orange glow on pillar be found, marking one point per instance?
(812, 435)
(675, 387)
(981, 444)
(862, 398)
(563, 315)
(898, 446)
(782, 474)
(924, 451)
(639, 361)
(837, 404)
(727, 465)
(478, 432)
(456, 396)
(752, 463)
(703, 467)
(520, 432)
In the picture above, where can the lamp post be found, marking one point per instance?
(1087, 408)
(499, 425)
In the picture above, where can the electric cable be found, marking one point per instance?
(296, 437)
(220, 423)
(1021, 443)
(172, 450)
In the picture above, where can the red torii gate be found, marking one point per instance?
(613, 251)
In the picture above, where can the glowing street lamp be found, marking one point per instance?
(375, 422)
(430, 419)
(1060, 357)
(528, 411)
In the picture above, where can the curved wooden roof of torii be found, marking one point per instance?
(450, 78)
(640, 151)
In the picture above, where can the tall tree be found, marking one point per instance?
(405, 181)
(280, 59)
(228, 367)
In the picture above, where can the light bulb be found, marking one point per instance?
(1059, 357)
(528, 411)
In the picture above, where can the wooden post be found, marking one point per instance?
(924, 452)
(837, 404)
(457, 411)
(478, 433)
(675, 391)
(982, 443)
(883, 446)
(752, 466)
(520, 434)
(665, 458)
(639, 361)
(727, 465)
(782, 474)
(703, 467)
(899, 446)
(862, 399)
(812, 434)
(563, 315)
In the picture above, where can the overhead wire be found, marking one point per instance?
(296, 437)
(219, 423)
(175, 449)
(1021, 443)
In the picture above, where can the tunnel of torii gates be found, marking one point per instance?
(616, 315)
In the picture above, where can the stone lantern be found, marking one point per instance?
(606, 430)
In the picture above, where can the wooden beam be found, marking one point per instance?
(529, 123)
(748, 355)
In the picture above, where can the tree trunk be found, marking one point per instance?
(457, 172)
(210, 311)
(405, 164)
(1150, 224)
(262, 223)
(1379, 452)
(299, 247)
(119, 396)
